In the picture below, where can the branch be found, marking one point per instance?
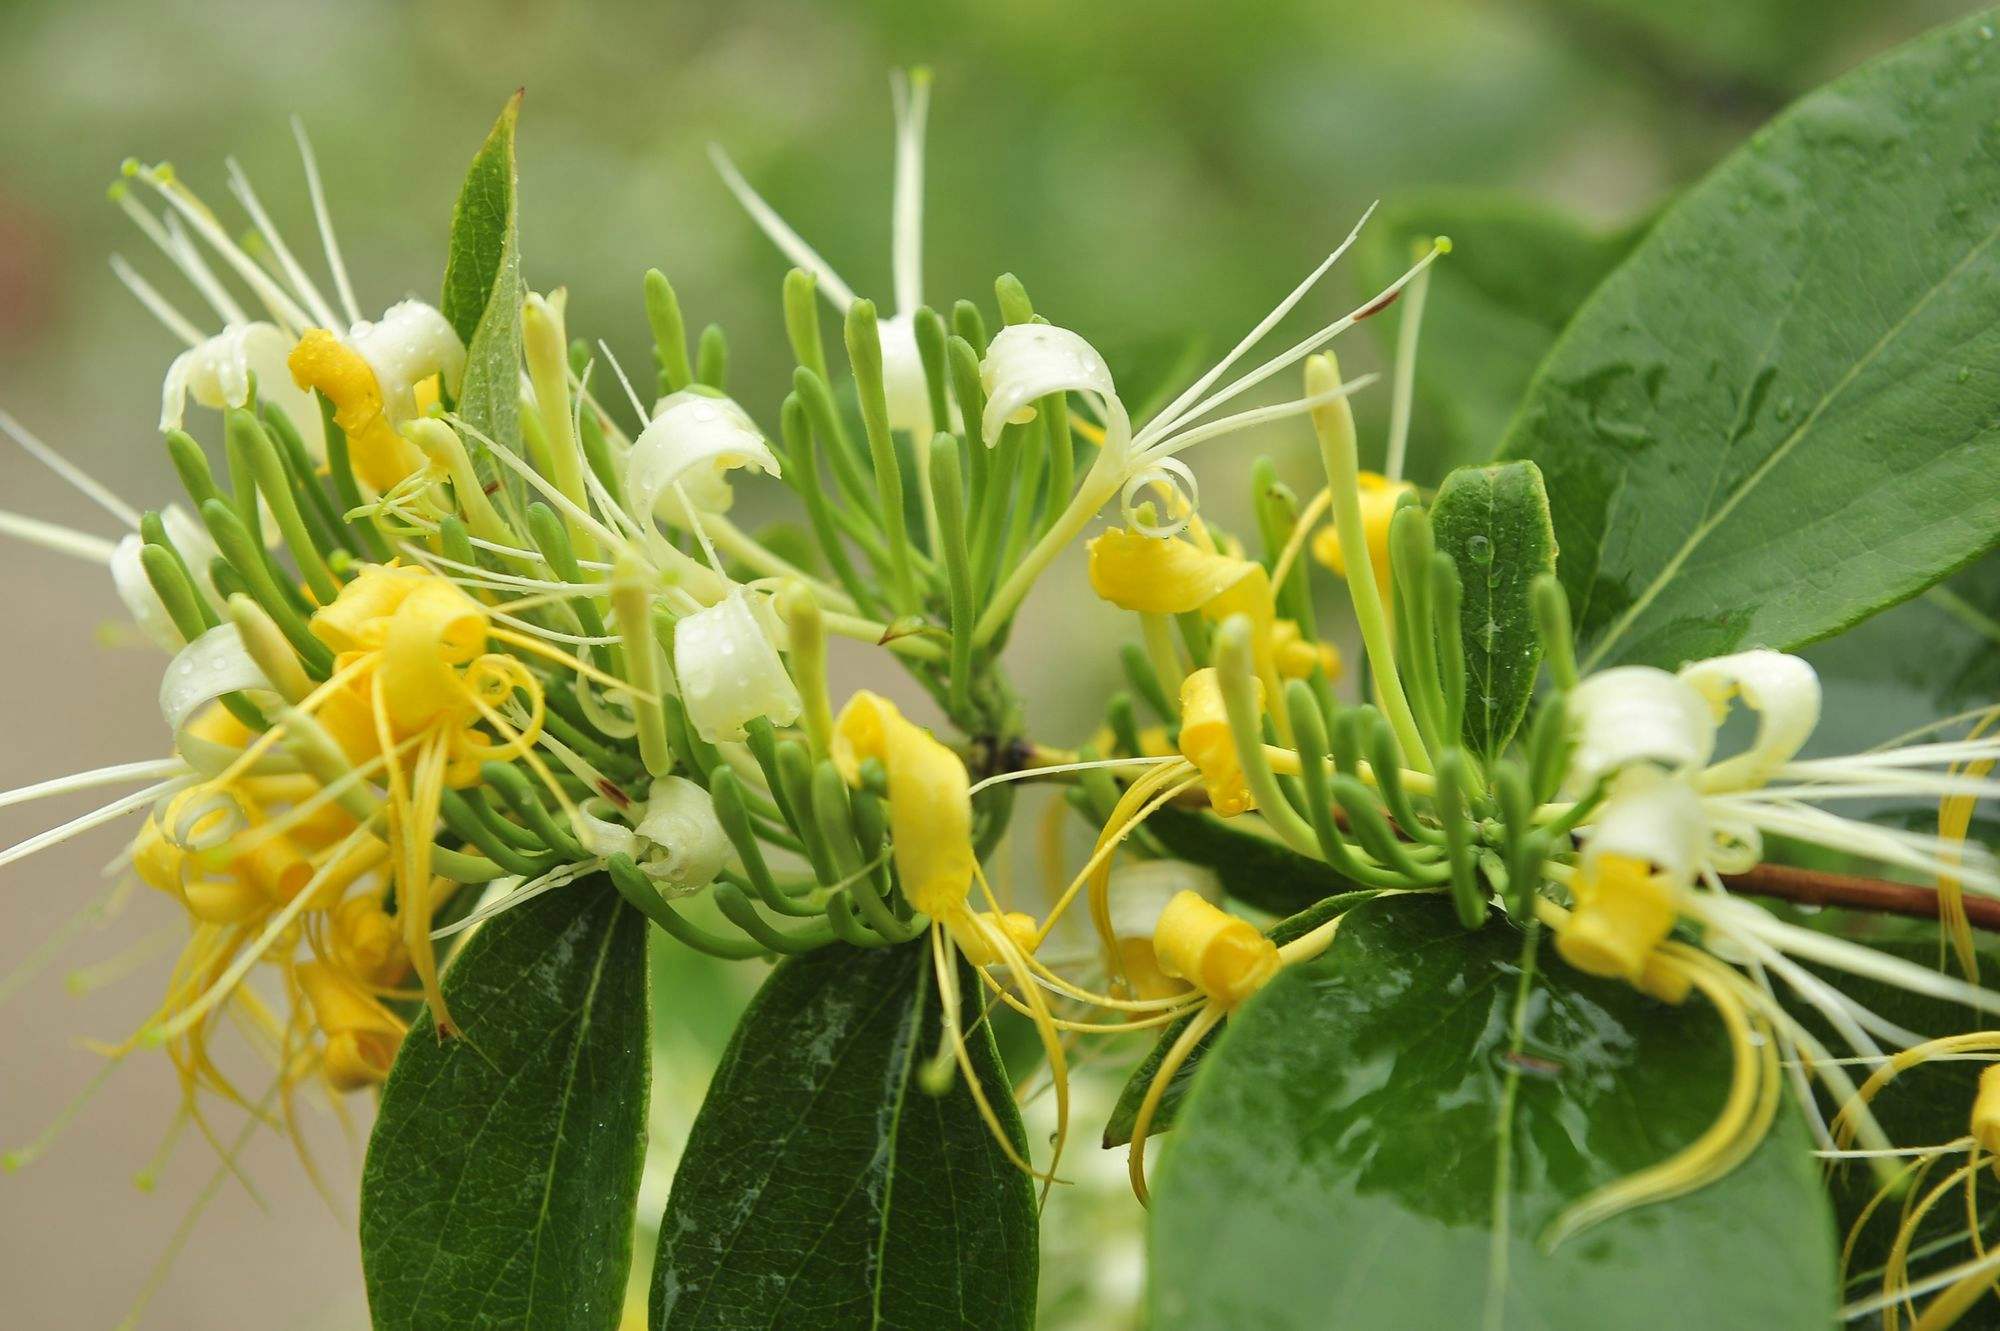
(1810, 887)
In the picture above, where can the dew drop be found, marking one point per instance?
(1480, 549)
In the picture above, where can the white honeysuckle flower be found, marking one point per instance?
(674, 838)
(218, 372)
(407, 345)
(1784, 692)
(1028, 362)
(684, 844)
(693, 440)
(1140, 891)
(729, 670)
(1637, 714)
(904, 382)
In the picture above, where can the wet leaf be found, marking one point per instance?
(504, 1165)
(1383, 1136)
(822, 1186)
(1778, 416)
(1494, 523)
(1255, 869)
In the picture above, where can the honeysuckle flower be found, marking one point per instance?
(691, 444)
(905, 386)
(1028, 362)
(379, 374)
(729, 670)
(1139, 895)
(1207, 741)
(674, 837)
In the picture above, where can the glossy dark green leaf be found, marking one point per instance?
(1770, 44)
(1383, 1135)
(1779, 416)
(504, 1165)
(823, 1187)
(1124, 1114)
(1255, 869)
(1516, 274)
(482, 285)
(1494, 523)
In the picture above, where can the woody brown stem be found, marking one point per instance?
(1812, 887)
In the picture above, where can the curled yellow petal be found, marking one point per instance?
(1161, 576)
(1206, 742)
(361, 1035)
(930, 800)
(1624, 910)
(322, 362)
(1221, 954)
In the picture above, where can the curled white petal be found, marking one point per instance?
(696, 440)
(1781, 688)
(1637, 714)
(218, 374)
(730, 672)
(600, 835)
(407, 345)
(685, 844)
(1140, 892)
(1027, 362)
(1653, 817)
(135, 589)
(212, 665)
(1174, 487)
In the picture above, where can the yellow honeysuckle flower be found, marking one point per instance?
(362, 1035)
(1206, 742)
(1624, 909)
(1164, 576)
(1380, 498)
(380, 456)
(930, 805)
(1223, 955)
(1297, 658)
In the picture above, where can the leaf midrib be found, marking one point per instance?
(1710, 522)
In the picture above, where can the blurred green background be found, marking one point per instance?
(1148, 171)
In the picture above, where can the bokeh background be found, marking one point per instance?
(1149, 171)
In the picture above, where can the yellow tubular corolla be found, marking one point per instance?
(1208, 743)
(322, 362)
(1379, 499)
(1624, 910)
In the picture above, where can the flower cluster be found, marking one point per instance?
(428, 662)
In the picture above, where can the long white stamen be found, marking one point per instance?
(69, 471)
(194, 271)
(152, 768)
(1923, 853)
(1029, 773)
(560, 501)
(239, 185)
(912, 99)
(1406, 376)
(324, 218)
(631, 393)
(1951, 1275)
(560, 876)
(54, 536)
(788, 241)
(1853, 958)
(157, 305)
(181, 249)
(282, 306)
(1298, 352)
(1170, 415)
(1958, 1147)
(1243, 420)
(97, 818)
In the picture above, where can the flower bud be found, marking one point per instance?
(729, 671)
(1027, 362)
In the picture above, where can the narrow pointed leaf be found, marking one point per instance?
(482, 285)
(1383, 1136)
(504, 1166)
(823, 1187)
(1778, 416)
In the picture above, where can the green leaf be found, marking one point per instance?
(504, 1166)
(1124, 1114)
(1516, 274)
(1383, 1135)
(1779, 415)
(1494, 523)
(822, 1186)
(482, 285)
(1255, 869)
